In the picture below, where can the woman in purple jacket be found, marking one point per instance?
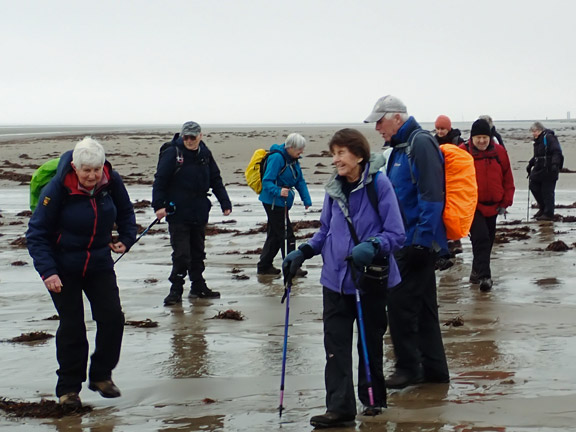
(379, 229)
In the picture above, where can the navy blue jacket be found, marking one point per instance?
(70, 230)
(186, 183)
(417, 174)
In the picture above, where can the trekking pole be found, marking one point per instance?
(285, 297)
(528, 205)
(362, 333)
(139, 237)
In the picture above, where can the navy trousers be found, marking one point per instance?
(71, 343)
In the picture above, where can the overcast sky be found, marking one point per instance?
(275, 61)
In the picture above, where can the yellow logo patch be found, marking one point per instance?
(46, 201)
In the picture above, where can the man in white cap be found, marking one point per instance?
(416, 170)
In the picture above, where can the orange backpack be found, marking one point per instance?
(461, 191)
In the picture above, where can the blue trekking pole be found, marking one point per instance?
(286, 296)
(285, 348)
(139, 237)
(362, 333)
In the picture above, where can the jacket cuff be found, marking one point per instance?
(307, 250)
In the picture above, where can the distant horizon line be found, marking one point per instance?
(9, 125)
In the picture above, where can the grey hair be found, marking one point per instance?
(537, 126)
(296, 141)
(88, 153)
(390, 115)
(488, 119)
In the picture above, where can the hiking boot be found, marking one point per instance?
(173, 297)
(300, 273)
(70, 400)
(269, 271)
(200, 290)
(485, 284)
(400, 380)
(455, 247)
(106, 388)
(332, 420)
(474, 278)
(371, 411)
(545, 217)
(443, 263)
(538, 214)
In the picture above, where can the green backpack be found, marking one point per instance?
(41, 178)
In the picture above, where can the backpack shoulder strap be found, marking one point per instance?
(372, 191)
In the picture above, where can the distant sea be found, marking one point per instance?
(10, 132)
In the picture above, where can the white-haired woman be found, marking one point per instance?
(282, 174)
(70, 238)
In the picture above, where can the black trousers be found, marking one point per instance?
(71, 342)
(339, 315)
(482, 234)
(188, 254)
(543, 192)
(279, 229)
(414, 322)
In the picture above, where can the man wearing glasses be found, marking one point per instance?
(185, 174)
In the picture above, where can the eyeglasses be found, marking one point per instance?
(190, 137)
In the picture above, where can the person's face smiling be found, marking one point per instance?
(481, 142)
(347, 163)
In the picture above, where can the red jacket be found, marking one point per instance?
(494, 177)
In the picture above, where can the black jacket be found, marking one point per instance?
(547, 159)
(452, 137)
(186, 183)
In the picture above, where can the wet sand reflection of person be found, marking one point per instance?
(189, 346)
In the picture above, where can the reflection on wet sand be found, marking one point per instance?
(189, 348)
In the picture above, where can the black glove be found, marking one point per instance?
(363, 253)
(528, 169)
(292, 263)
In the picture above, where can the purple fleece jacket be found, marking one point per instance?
(334, 241)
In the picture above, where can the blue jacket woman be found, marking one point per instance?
(356, 231)
(70, 238)
(282, 173)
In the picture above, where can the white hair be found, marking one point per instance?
(88, 153)
(537, 126)
(295, 140)
(487, 118)
(390, 115)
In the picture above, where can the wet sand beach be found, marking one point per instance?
(511, 352)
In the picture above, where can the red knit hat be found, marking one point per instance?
(443, 122)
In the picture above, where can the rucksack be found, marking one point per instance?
(460, 188)
(546, 153)
(41, 177)
(461, 191)
(179, 155)
(257, 167)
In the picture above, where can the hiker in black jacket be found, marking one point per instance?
(543, 170)
(185, 174)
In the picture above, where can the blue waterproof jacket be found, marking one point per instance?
(416, 170)
(334, 241)
(70, 230)
(184, 178)
(275, 177)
